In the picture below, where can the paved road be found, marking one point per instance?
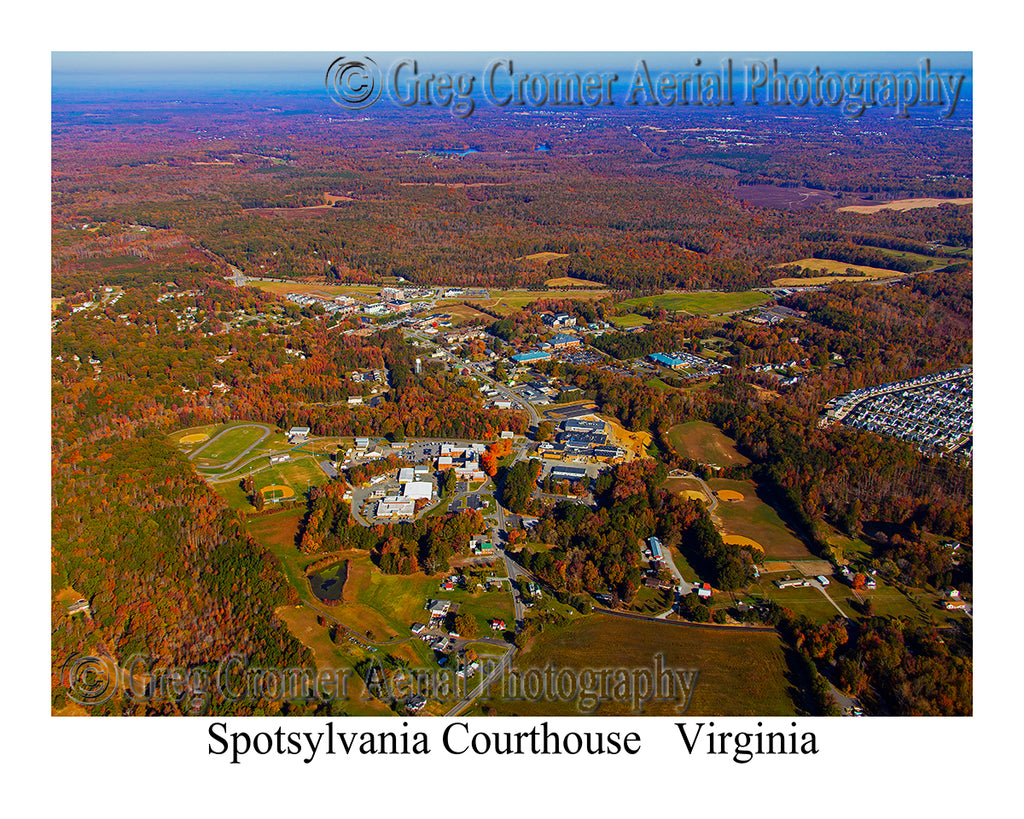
(470, 698)
(512, 569)
(707, 491)
(821, 588)
(684, 587)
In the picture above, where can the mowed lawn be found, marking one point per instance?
(739, 673)
(629, 320)
(755, 519)
(706, 443)
(208, 429)
(299, 475)
(805, 600)
(700, 304)
(228, 445)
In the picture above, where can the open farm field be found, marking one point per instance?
(700, 303)
(906, 204)
(357, 291)
(738, 672)
(832, 271)
(544, 257)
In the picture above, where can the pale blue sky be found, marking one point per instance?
(297, 64)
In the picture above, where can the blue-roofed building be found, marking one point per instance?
(655, 546)
(667, 361)
(536, 355)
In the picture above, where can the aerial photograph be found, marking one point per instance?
(511, 384)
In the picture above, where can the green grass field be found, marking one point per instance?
(706, 443)
(509, 301)
(658, 384)
(228, 445)
(805, 599)
(208, 429)
(299, 474)
(629, 320)
(931, 261)
(651, 601)
(390, 604)
(739, 672)
(846, 548)
(755, 519)
(700, 304)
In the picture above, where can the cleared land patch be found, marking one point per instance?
(635, 443)
(569, 282)
(194, 438)
(460, 311)
(832, 271)
(546, 256)
(301, 622)
(729, 495)
(906, 204)
(356, 291)
(705, 443)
